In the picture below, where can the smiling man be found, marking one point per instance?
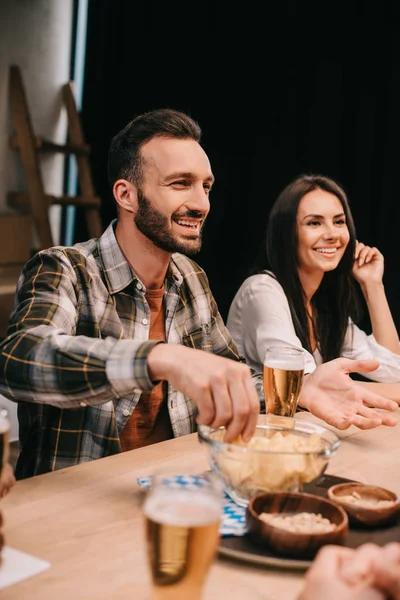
(86, 354)
(117, 342)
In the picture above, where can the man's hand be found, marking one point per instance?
(330, 394)
(222, 389)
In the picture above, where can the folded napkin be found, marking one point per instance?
(17, 566)
(233, 517)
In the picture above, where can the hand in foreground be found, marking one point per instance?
(368, 573)
(222, 389)
(330, 394)
(368, 264)
(1, 536)
(7, 479)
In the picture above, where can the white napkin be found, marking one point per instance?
(17, 566)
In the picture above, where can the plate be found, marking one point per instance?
(243, 549)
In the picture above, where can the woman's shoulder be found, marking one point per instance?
(265, 280)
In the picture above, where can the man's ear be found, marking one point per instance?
(125, 194)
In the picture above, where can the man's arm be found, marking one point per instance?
(43, 360)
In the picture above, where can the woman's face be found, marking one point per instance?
(322, 232)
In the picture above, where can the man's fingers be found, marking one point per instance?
(223, 410)
(358, 366)
(205, 407)
(338, 419)
(376, 401)
(241, 411)
(254, 405)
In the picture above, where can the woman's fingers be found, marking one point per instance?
(365, 254)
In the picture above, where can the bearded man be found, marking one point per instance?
(117, 342)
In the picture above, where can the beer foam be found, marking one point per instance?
(296, 363)
(182, 508)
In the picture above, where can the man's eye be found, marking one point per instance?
(207, 186)
(181, 182)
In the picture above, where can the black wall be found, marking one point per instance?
(279, 89)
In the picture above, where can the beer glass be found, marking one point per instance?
(4, 439)
(283, 378)
(182, 517)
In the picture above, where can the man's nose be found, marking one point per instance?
(199, 200)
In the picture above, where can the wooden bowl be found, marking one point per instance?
(289, 543)
(370, 516)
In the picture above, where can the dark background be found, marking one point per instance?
(278, 88)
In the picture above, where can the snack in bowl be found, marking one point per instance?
(278, 458)
(368, 505)
(295, 524)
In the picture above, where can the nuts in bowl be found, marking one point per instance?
(279, 458)
(295, 524)
(367, 505)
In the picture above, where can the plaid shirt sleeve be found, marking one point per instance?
(43, 359)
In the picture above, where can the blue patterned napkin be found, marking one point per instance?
(233, 518)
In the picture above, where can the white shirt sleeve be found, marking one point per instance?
(358, 345)
(260, 317)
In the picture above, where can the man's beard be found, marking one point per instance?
(154, 225)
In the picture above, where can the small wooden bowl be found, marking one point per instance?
(367, 516)
(290, 543)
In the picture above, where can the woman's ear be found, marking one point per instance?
(125, 194)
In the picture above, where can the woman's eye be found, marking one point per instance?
(340, 222)
(313, 223)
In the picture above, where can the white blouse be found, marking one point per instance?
(260, 317)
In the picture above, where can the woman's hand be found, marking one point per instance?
(368, 264)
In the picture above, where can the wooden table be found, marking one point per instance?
(86, 521)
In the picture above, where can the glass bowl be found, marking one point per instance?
(280, 457)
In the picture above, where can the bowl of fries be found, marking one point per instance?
(280, 457)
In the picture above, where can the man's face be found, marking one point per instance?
(173, 201)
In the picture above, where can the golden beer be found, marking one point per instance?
(281, 390)
(4, 439)
(182, 530)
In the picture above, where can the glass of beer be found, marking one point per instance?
(283, 378)
(182, 517)
(4, 439)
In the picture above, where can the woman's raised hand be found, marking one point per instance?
(368, 264)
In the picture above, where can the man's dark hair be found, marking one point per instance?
(124, 157)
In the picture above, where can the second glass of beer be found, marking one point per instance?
(283, 378)
(182, 517)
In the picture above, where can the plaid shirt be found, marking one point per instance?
(78, 340)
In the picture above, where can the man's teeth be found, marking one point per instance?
(187, 224)
(326, 250)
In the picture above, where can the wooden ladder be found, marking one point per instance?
(35, 201)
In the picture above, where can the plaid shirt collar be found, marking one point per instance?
(118, 272)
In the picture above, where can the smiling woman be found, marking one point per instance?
(301, 291)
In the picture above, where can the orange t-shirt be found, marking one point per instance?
(150, 422)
